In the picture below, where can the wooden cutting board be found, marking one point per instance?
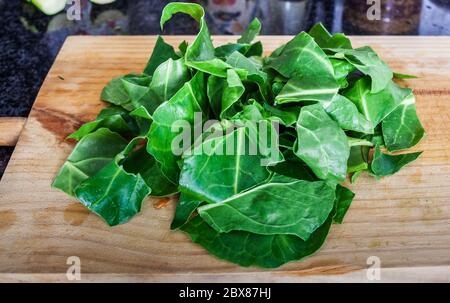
(404, 220)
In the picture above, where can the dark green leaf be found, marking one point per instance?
(231, 167)
(256, 49)
(358, 142)
(200, 54)
(358, 159)
(248, 249)
(183, 48)
(376, 107)
(288, 115)
(185, 208)
(368, 62)
(295, 207)
(321, 143)
(302, 55)
(385, 165)
(141, 112)
(248, 68)
(346, 114)
(341, 71)
(110, 119)
(344, 198)
(325, 40)
(223, 93)
(402, 128)
(115, 93)
(308, 88)
(136, 87)
(182, 106)
(226, 50)
(250, 32)
(91, 154)
(277, 87)
(404, 76)
(293, 167)
(110, 111)
(141, 162)
(168, 78)
(113, 194)
(253, 111)
(161, 53)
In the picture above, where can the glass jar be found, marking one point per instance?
(395, 17)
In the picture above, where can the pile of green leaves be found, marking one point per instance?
(339, 114)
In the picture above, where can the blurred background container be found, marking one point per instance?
(435, 18)
(398, 17)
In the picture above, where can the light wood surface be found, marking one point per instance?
(10, 129)
(403, 219)
(391, 275)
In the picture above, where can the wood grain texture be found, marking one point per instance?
(402, 219)
(399, 274)
(10, 129)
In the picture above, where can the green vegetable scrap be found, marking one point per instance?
(256, 147)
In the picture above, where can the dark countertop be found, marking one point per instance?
(30, 40)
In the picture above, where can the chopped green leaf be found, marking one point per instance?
(249, 249)
(161, 53)
(112, 120)
(200, 54)
(91, 154)
(404, 76)
(113, 194)
(344, 198)
(185, 208)
(402, 128)
(229, 174)
(303, 56)
(321, 143)
(182, 106)
(368, 62)
(250, 32)
(385, 165)
(376, 106)
(325, 40)
(294, 207)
